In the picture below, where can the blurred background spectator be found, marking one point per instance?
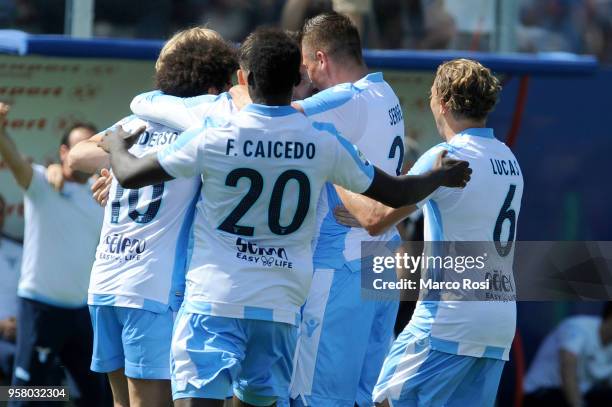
(573, 366)
(52, 319)
(577, 26)
(10, 264)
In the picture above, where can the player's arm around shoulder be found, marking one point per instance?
(339, 106)
(413, 189)
(373, 216)
(172, 111)
(351, 170)
(87, 157)
(131, 172)
(20, 168)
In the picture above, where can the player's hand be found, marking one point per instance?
(344, 217)
(455, 173)
(101, 187)
(5, 108)
(55, 176)
(240, 96)
(118, 137)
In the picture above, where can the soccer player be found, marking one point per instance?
(452, 353)
(138, 278)
(332, 369)
(61, 232)
(251, 268)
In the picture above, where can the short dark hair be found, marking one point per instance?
(273, 60)
(607, 310)
(78, 125)
(193, 61)
(335, 34)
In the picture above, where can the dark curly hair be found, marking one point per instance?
(193, 61)
(468, 88)
(273, 60)
(335, 34)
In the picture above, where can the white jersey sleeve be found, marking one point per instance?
(184, 157)
(332, 106)
(172, 111)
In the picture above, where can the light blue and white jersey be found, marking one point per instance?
(262, 173)
(368, 114)
(181, 113)
(141, 258)
(486, 210)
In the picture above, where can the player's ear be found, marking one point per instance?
(442, 106)
(241, 75)
(321, 57)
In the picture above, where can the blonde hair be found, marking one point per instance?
(467, 88)
(190, 35)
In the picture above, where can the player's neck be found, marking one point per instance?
(271, 100)
(349, 73)
(453, 127)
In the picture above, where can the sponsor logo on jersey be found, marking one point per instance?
(122, 248)
(263, 256)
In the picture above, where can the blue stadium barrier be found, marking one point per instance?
(538, 64)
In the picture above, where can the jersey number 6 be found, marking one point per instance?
(505, 213)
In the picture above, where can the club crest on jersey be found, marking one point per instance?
(263, 256)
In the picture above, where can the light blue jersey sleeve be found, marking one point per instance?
(184, 157)
(340, 106)
(350, 170)
(175, 112)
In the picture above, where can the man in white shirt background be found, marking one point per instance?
(573, 365)
(61, 233)
(10, 263)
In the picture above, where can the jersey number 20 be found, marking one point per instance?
(230, 224)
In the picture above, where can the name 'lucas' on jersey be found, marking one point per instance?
(504, 167)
